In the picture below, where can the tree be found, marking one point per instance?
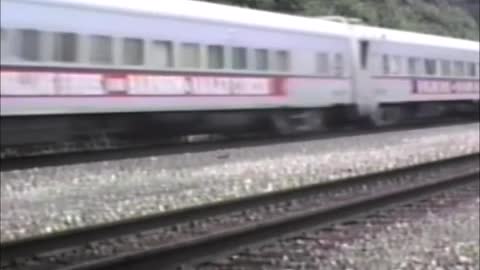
(442, 17)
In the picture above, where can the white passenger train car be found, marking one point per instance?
(84, 67)
(163, 57)
(406, 70)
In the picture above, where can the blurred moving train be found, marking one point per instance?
(80, 68)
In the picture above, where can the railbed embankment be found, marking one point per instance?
(38, 201)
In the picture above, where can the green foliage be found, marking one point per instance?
(441, 17)
(287, 6)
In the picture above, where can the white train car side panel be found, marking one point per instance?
(51, 88)
(394, 80)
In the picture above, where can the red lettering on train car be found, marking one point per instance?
(115, 84)
(26, 83)
(78, 84)
(445, 87)
(68, 83)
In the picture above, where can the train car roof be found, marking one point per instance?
(256, 18)
(206, 11)
(415, 38)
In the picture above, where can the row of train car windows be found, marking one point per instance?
(394, 65)
(28, 45)
(138, 52)
(323, 65)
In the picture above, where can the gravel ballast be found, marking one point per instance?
(441, 233)
(436, 242)
(308, 200)
(46, 200)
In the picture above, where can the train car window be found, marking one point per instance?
(161, 53)
(3, 44)
(239, 58)
(413, 66)
(446, 68)
(190, 55)
(430, 67)
(364, 45)
(216, 56)
(101, 50)
(261, 59)
(472, 70)
(386, 64)
(322, 63)
(65, 47)
(338, 65)
(396, 65)
(282, 60)
(459, 69)
(30, 45)
(133, 51)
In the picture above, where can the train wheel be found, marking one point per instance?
(387, 116)
(313, 121)
(289, 123)
(282, 123)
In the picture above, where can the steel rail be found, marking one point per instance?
(81, 236)
(180, 255)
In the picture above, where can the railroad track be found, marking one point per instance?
(187, 236)
(175, 147)
(406, 236)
